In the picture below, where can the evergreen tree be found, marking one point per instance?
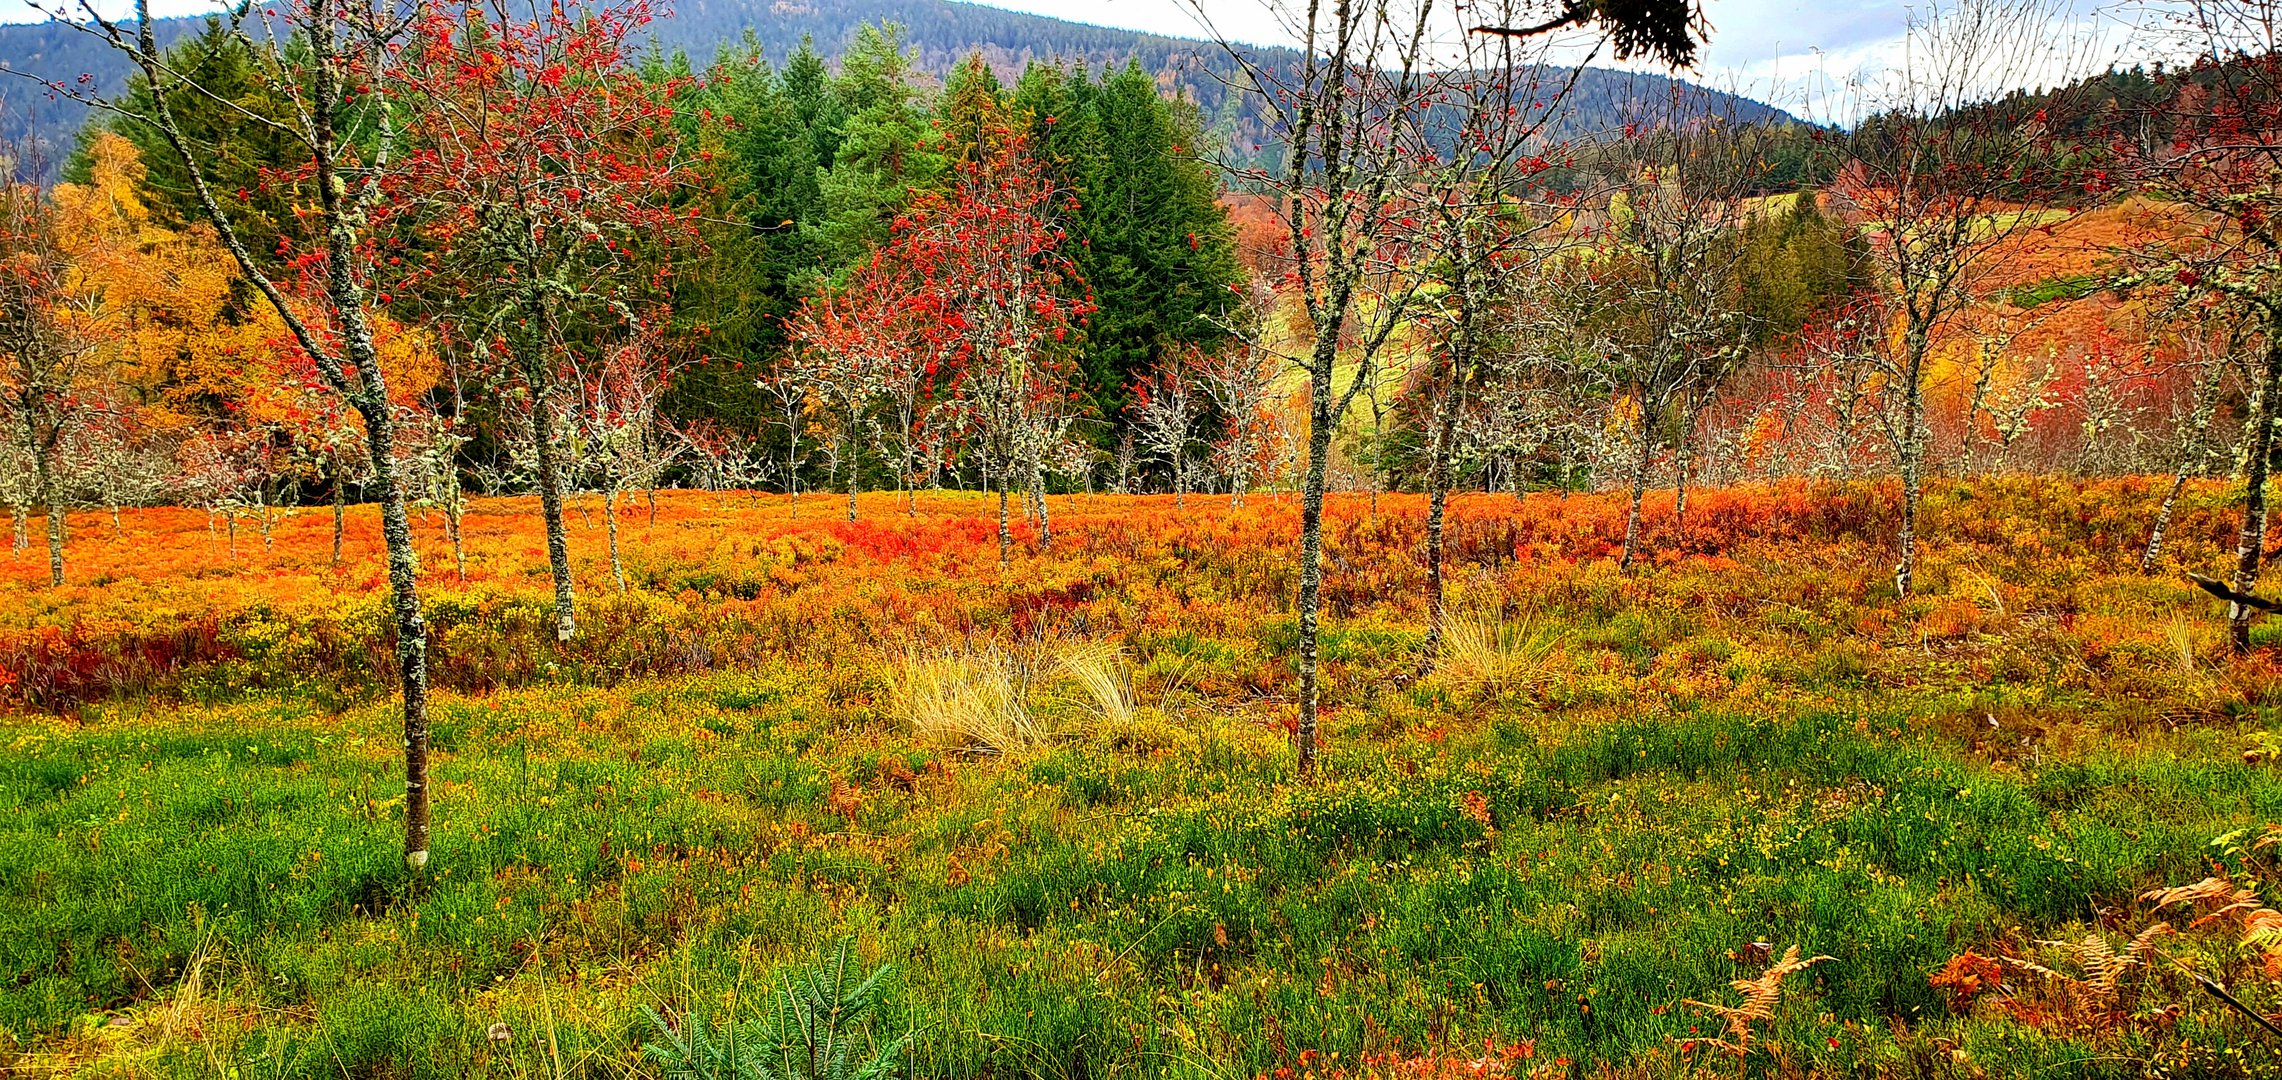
(1156, 245)
(226, 118)
(885, 150)
(757, 260)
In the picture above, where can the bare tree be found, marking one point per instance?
(1168, 404)
(50, 348)
(1941, 174)
(2207, 354)
(313, 57)
(1238, 379)
(618, 425)
(1348, 115)
(2222, 165)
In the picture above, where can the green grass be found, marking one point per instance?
(1181, 909)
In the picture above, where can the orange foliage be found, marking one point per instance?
(163, 600)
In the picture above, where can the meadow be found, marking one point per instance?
(1059, 798)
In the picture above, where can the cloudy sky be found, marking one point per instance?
(1795, 53)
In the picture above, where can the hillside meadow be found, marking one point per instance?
(1058, 797)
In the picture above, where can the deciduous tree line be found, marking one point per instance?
(469, 244)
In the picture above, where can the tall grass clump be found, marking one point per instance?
(1483, 649)
(975, 700)
(1101, 672)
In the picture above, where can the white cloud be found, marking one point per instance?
(1800, 54)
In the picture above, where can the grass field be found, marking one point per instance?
(1059, 798)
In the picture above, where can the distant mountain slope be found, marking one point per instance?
(942, 32)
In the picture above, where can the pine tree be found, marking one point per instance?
(1157, 246)
(885, 150)
(244, 151)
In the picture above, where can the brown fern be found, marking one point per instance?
(2217, 896)
(1760, 996)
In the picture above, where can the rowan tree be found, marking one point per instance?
(537, 187)
(1672, 304)
(1344, 115)
(51, 346)
(1475, 215)
(1938, 173)
(2222, 165)
(325, 63)
(851, 347)
(999, 304)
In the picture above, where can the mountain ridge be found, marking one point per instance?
(939, 33)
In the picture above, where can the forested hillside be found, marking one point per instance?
(941, 33)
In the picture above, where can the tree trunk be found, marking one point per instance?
(551, 509)
(1438, 481)
(1311, 564)
(1913, 478)
(22, 512)
(2251, 544)
(1038, 502)
(2193, 454)
(49, 499)
(340, 509)
(2163, 521)
(1005, 535)
(411, 631)
(610, 519)
(1684, 460)
(1640, 463)
(262, 503)
(851, 479)
(452, 523)
(653, 496)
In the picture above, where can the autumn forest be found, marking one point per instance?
(537, 552)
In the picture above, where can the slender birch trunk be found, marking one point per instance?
(2250, 545)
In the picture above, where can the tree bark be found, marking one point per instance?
(551, 509)
(1640, 463)
(411, 626)
(1005, 534)
(2193, 454)
(1038, 501)
(610, 519)
(1683, 461)
(1320, 422)
(2250, 545)
(340, 509)
(1438, 482)
(1913, 473)
(453, 509)
(2162, 521)
(53, 502)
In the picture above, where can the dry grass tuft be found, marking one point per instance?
(1101, 671)
(1478, 647)
(973, 700)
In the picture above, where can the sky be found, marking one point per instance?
(1799, 54)
(1803, 55)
